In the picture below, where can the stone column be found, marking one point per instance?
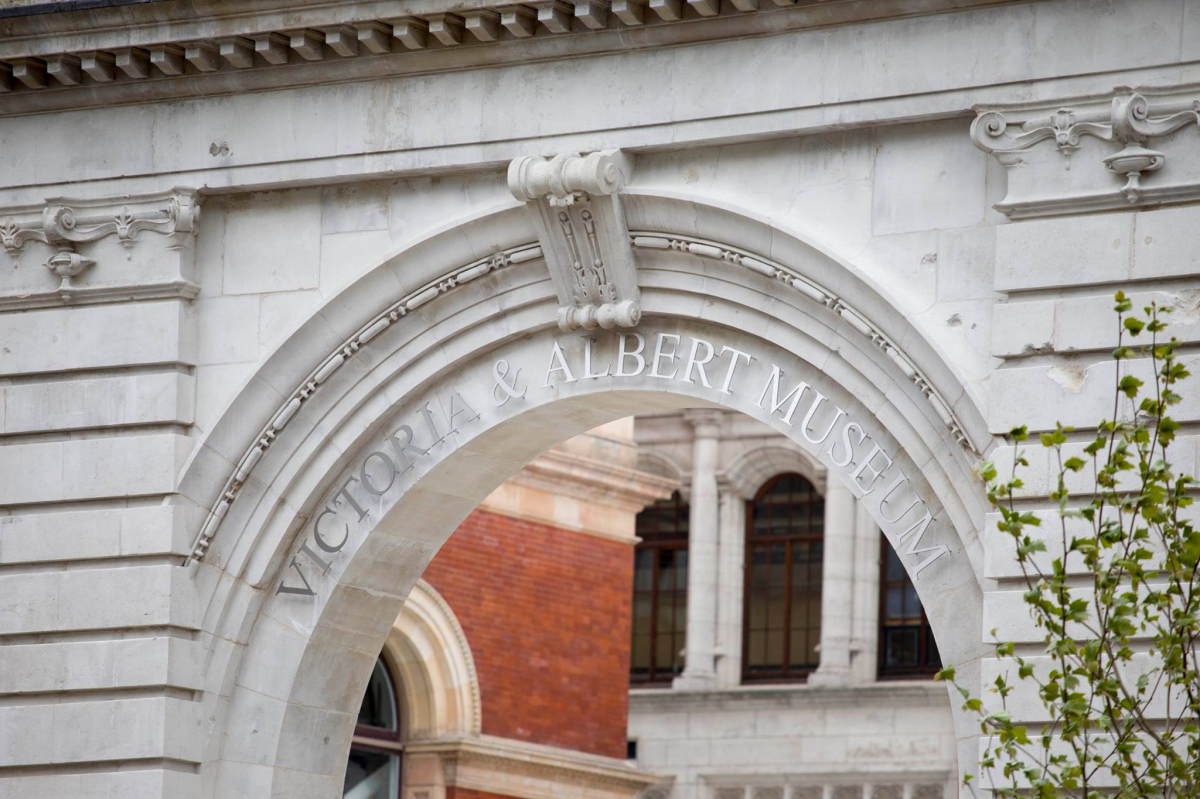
(864, 647)
(699, 671)
(837, 586)
(731, 561)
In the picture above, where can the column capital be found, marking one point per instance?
(705, 422)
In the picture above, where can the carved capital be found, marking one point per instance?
(77, 221)
(1127, 118)
(576, 207)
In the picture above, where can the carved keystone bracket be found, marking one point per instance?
(1038, 185)
(575, 202)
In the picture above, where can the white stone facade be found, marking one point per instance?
(248, 243)
(838, 729)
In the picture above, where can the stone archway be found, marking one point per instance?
(362, 443)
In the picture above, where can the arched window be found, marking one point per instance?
(785, 530)
(374, 768)
(660, 591)
(906, 645)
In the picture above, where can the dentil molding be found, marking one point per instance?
(100, 56)
(1094, 154)
(64, 224)
(575, 204)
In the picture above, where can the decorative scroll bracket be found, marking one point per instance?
(575, 203)
(64, 223)
(1130, 119)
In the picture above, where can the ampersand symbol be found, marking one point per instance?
(509, 389)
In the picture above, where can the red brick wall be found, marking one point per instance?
(467, 793)
(547, 615)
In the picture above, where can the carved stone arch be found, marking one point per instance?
(431, 657)
(444, 313)
(660, 464)
(755, 467)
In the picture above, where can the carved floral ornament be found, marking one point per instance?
(1131, 119)
(528, 252)
(64, 223)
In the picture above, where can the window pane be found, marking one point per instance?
(640, 654)
(895, 603)
(783, 577)
(775, 649)
(372, 775)
(660, 589)
(900, 647)
(379, 704)
(906, 641)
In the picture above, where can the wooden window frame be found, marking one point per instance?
(657, 676)
(381, 741)
(788, 673)
(883, 672)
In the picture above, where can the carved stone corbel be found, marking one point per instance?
(575, 202)
(1130, 119)
(66, 224)
(61, 221)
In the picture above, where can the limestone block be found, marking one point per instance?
(272, 242)
(362, 206)
(209, 258)
(282, 313)
(905, 265)
(1076, 394)
(1059, 49)
(966, 263)
(227, 329)
(1068, 251)
(86, 732)
(100, 665)
(345, 256)
(89, 534)
(739, 752)
(113, 785)
(162, 398)
(837, 157)
(1023, 328)
(1040, 474)
(728, 724)
(934, 162)
(97, 599)
(58, 471)
(95, 337)
(1083, 323)
(1166, 243)
(215, 386)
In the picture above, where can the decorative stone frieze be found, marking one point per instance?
(66, 223)
(575, 203)
(1103, 179)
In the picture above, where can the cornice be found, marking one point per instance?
(173, 50)
(490, 755)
